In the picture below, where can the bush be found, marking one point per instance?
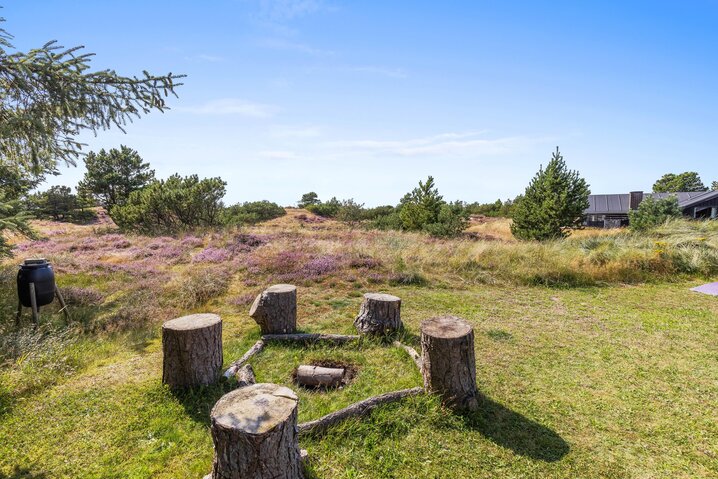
(328, 209)
(652, 212)
(424, 209)
(59, 204)
(451, 221)
(350, 212)
(553, 203)
(252, 213)
(177, 204)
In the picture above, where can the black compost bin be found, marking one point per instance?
(39, 272)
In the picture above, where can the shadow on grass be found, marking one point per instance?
(23, 473)
(514, 431)
(198, 402)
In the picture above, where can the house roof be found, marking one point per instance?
(618, 203)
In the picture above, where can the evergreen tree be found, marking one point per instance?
(48, 96)
(652, 213)
(421, 206)
(552, 204)
(672, 183)
(112, 175)
(714, 186)
(308, 199)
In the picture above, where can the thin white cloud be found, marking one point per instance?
(279, 155)
(232, 106)
(282, 10)
(452, 144)
(286, 45)
(290, 131)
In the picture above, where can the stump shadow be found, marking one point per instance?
(23, 473)
(198, 402)
(514, 431)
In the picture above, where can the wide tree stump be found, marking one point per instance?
(319, 377)
(379, 314)
(275, 309)
(448, 361)
(254, 430)
(192, 350)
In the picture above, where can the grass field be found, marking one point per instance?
(593, 357)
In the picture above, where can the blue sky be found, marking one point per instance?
(364, 99)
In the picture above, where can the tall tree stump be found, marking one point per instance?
(448, 361)
(379, 314)
(275, 309)
(255, 435)
(192, 350)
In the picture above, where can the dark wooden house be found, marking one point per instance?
(611, 211)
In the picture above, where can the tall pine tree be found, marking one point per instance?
(553, 203)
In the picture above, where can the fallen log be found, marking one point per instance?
(412, 353)
(319, 377)
(307, 337)
(360, 408)
(245, 376)
(234, 367)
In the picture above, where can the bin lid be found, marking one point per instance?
(32, 263)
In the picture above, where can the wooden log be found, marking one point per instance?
(448, 361)
(318, 376)
(379, 314)
(360, 408)
(192, 350)
(254, 430)
(245, 376)
(311, 337)
(412, 353)
(234, 367)
(275, 309)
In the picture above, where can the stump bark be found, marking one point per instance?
(275, 309)
(318, 376)
(379, 314)
(245, 376)
(254, 430)
(192, 350)
(448, 361)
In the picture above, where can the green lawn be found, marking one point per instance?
(615, 381)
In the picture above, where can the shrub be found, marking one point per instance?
(451, 221)
(424, 209)
(177, 204)
(329, 209)
(252, 212)
(350, 212)
(652, 212)
(199, 285)
(59, 204)
(553, 203)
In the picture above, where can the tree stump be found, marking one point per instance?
(192, 350)
(379, 314)
(318, 376)
(275, 309)
(448, 361)
(254, 430)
